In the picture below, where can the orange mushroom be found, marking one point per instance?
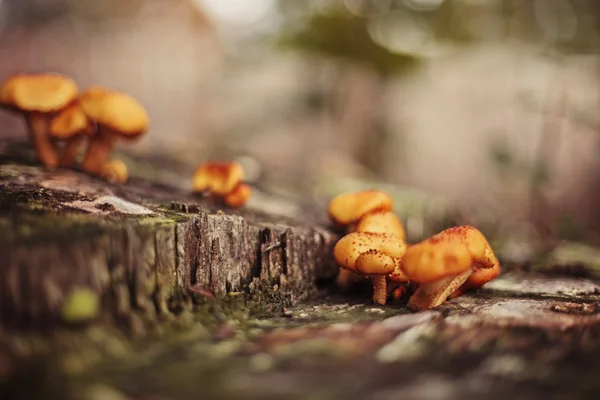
(223, 181)
(370, 254)
(218, 178)
(115, 171)
(117, 115)
(364, 211)
(71, 125)
(348, 208)
(39, 97)
(444, 263)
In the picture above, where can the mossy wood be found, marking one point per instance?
(139, 245)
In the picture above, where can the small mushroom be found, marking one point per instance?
(70, 125)
(347, 208)
(115, 171)
(376, 265)
(380, 252)
(218, 178)
(382, 222)
(116, 115)
(238, 196)
(38, 97)
(445, 262)
(440, 265)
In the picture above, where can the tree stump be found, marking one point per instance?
(138, 245)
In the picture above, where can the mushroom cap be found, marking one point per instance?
(382, 222)
(347, 208)
(238, 196)
(478, 245)
(218, 177)
(43, 93)
(117, 111)
(435, 258)
(71, 121)
(374, 262)
(351, 246)
(471, 236)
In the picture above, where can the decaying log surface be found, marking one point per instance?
(532, 333)
(141, 244)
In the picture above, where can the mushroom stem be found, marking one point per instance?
(379, 289)
(70, 152)
(38, 129)
(432, 294)
(101, 145)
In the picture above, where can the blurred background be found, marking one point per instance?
(490, 107)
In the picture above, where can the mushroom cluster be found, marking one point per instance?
(443, 266)
(55, 112)
(374, 244)
(223, 182)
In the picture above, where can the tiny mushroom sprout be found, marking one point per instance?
(116, 115)
(371, 254)
(115, 171)
(224, 181)
(444, 263)
(70, 125)
(38, 97)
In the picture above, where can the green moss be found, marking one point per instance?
(80, 305)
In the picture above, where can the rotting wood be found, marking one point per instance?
(140, 244)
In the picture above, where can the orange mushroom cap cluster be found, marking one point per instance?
(445, 265)
(375, 244)
(55, 111)
(223, 181)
